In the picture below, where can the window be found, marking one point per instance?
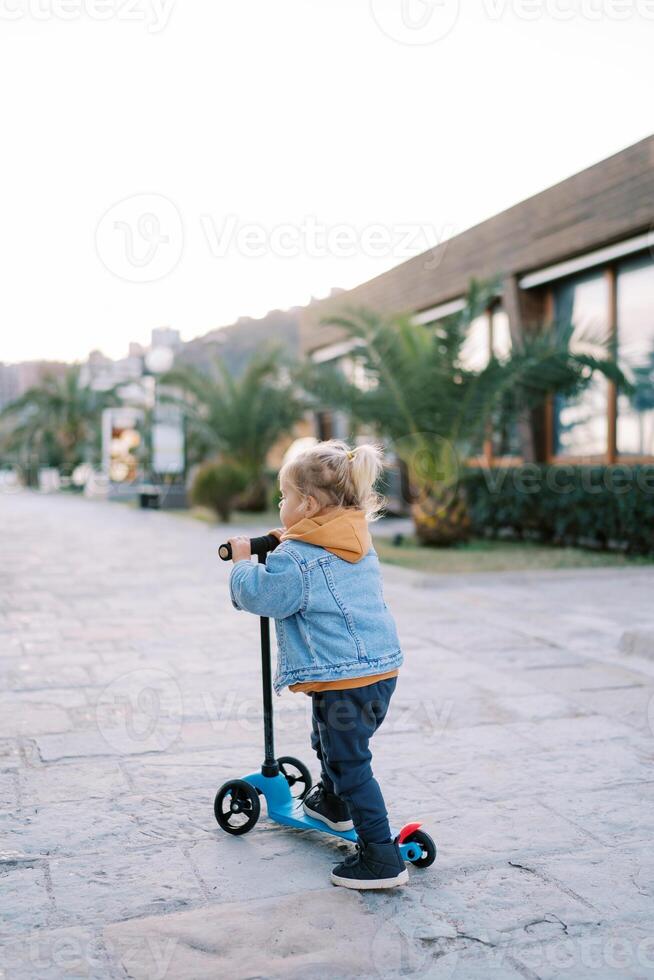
(488, 333)
(500, 334)
(580, 423)
(475, 350)
(635, 342)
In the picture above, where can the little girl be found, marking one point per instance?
(336, 639)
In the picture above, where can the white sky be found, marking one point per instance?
(266, 112)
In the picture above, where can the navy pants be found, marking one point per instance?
(343, 724)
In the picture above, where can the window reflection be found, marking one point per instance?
(475, 351)
(635, 280)
(580, 423)
(501, 334)
(490, 332)
(505, 431)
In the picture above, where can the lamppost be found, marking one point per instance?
(158, 360)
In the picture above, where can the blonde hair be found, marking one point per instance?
(338, 476)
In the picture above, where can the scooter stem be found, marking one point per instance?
(270, 766)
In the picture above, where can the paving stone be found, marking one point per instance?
(623, 814)
(590, 677)
(574, 730)
(31, 719)
(507, 905)
(609, 951)
(633, 706)
(618, 880)
(638, 642)
(31, 677)
(116, 884)
(67, 953)
(8, 789)
(24, 900)
(68, 828)
(68, 781)
(89, 743)
(499, 831)
(289, 862)
(204, 770)
(63, 698)
(321, 933)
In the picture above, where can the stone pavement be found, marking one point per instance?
(521, 735)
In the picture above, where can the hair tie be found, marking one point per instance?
(350, 454)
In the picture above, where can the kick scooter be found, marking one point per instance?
(285, 781)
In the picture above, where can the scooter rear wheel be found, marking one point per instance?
(237, 807)
(296, 774)
(427, 846)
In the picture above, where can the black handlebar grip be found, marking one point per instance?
(258, 546)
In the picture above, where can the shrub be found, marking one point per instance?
(216, 484)
(606, 507)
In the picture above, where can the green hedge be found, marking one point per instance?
(607, 507)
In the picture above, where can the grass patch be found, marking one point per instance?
(480, 555)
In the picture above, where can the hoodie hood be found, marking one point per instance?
(344, 532)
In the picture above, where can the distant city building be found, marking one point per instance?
(16, 379)
(102, 372)
(166, 337)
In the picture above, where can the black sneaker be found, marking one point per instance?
(327, 808)
(374, 866)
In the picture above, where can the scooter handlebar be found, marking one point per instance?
(258, 546)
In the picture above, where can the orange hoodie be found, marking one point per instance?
(344, 532)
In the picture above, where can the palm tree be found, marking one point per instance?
(238, 418)
(56, 423)
(434, 410)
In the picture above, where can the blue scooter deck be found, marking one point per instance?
(286, 809)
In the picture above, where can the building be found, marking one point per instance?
(582, 250)
(16, 379)
(103, 373)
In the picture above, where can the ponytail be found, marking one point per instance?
(338, 476)
(366, 465)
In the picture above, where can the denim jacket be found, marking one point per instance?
(330, 616)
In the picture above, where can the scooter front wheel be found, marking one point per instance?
(237, 806)
(296, 774)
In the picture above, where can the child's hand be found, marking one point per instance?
(240, 548)
(277, 531)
